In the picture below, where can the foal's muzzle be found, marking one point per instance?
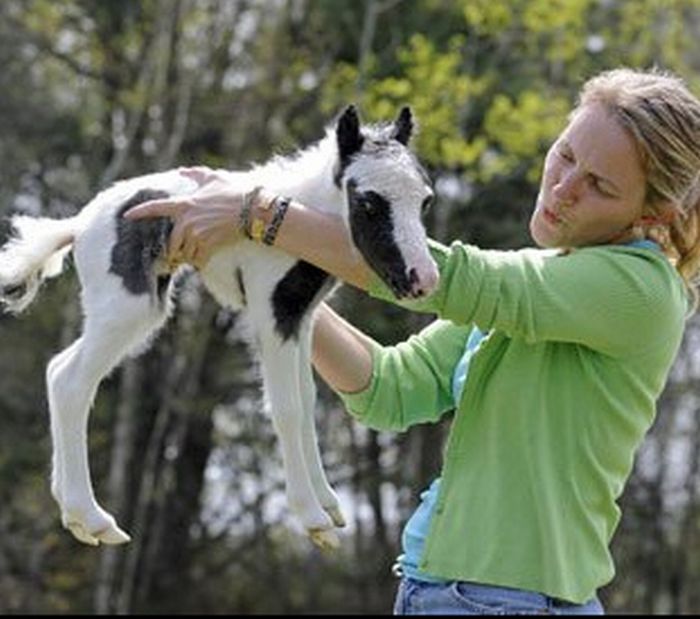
(415, 282)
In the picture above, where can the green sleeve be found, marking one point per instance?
(411, 382)
(613, 299)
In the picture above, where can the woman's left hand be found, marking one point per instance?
(203, 221)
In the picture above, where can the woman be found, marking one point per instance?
(552, 357)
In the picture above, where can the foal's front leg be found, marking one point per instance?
(312, 455)
(280, 366)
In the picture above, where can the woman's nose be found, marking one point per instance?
(567, 187)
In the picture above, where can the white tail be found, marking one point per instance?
(34, 253)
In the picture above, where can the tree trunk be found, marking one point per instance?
(118, 482)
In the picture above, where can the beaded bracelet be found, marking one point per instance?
(281, 205)
(259, 217)
(244, 223)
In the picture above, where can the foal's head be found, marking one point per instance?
(387, 191)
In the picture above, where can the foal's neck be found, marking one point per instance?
(306, 176)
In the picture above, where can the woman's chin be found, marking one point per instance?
(543, 238)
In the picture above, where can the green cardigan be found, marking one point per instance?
(558, 398)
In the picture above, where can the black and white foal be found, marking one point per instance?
(366, 174)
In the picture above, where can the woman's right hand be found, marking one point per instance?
(203, 221)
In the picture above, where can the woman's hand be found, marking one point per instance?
(203, 221)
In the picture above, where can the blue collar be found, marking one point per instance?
(643, 244)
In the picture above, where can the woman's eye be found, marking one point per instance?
(565, 155)
(599, 188)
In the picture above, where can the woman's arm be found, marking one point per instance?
(323, 240)
(341, 354)
(410, 382)
(210, 218)
(600, 297)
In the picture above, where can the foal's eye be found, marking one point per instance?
(369, 206)
(373, 203)
(427, 203)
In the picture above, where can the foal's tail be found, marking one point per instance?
(34, 252)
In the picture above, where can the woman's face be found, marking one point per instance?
(593, 185)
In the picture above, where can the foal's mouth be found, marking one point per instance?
(402, 284)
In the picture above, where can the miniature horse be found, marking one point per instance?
(365, 174)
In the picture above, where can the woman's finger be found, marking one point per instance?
(200, 258)
(177, 236)
(199, 174)
(156, 208)
(189, 248)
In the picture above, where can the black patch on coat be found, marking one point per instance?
(372, 232)
(241, 286)
(7, 230)
(139, 244)
(296, 294)
(162, 283)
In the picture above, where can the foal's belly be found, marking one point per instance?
(245, 275)
(278, 292)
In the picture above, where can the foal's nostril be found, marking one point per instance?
(423, 284)
(414, 284)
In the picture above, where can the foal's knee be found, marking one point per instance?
(286, 423)
(53, 369)
(64, 379)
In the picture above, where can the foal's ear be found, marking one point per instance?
(348, 132)
(403, 126)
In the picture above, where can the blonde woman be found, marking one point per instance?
(552, 357)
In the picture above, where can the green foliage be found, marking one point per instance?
(522, 130)
(433, 83)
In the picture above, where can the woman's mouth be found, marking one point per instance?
(551, 216)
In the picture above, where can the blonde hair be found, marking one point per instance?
(663, 118)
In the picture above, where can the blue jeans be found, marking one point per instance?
(416, 597)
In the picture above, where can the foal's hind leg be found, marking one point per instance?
(73, 378)
(324, 492)
(57, 361)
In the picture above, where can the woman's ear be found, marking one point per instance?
(661, 213)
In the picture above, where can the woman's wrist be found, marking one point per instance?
(261, 215)
(289, 226)
(252, 217)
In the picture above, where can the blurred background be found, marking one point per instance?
(96, 90)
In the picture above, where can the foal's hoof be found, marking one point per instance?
(111, 535)
(336, 516)
(79, 533)
(325, 539)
